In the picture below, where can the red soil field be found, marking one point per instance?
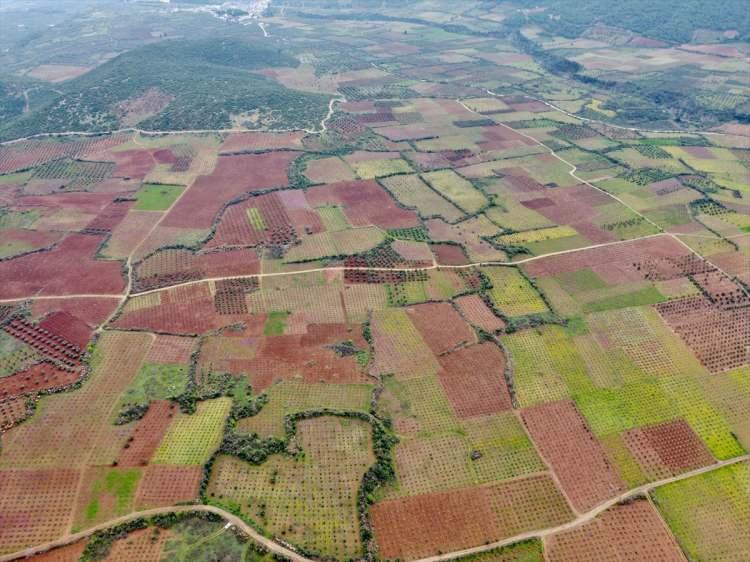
(474, 380)
(170, 350)
(67, 326)
(109, 217)
(34, 238)
(35, 506)
(302, 216)
(172, 267)
(614, 264)
(42, 376)
(567, 444)
(163, 485)
(93, 311)
(672, 267)
(50, 345)
(68, 268)
(87, 203)
(307, 356)
(69, 553)
(428, 524)
(475, 311)
(12, 411)
(441, 326)
(427, 161)
(237, 142)
(34, 152)
(667, 449)
(724, 292)
(141, 546)
(502, 138)
(147, 434)
(717, 337)
(449, 254)
(184, 310)
(235, 228)
(233, 176)
(127, 235)
(626, 532)
(365, 203)
(133, 163)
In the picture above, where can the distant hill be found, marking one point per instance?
(670, 20)
(176, 84)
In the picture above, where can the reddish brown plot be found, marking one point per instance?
(35, 506)
(141, 546)
(626, 532)
(667, 268)
(429, 524)
(163, 485)
(185, 310)
(667, 449)
(721, 290)
(474, 380)
(172, 267)
(68, 553)
(133, 163)
(239, 142)
(476, 312)
(170, 350)
(12, 411)
(30, 153)
(31, 239)
(109, 217)
(579, 461)
(233, 176)
(307, 356)
(442, 328)
(449, 254)
(70, 328)
(718, 337)
(147, 434)
(237, 228)
(42, 376)
(365, 203)
(93, 311)
(52, 346)
(614, 263)
(68, 268)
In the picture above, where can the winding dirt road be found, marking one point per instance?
(281, 550)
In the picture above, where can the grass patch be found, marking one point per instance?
(156, 196)
(275, 324)
(647, 296)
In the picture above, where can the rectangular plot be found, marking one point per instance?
(457, 189)
(566, 442)
(191, 439)
(412, 192)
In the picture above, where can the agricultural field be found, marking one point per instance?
(388, 281)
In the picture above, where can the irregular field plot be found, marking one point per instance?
(566, 443)
(428, 524)
(632, 531)
(289, 397)
(191, 439)
(308, 501)
(456, 189)
(709, 514)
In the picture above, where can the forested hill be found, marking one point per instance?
(176, 85)
(670, 20)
